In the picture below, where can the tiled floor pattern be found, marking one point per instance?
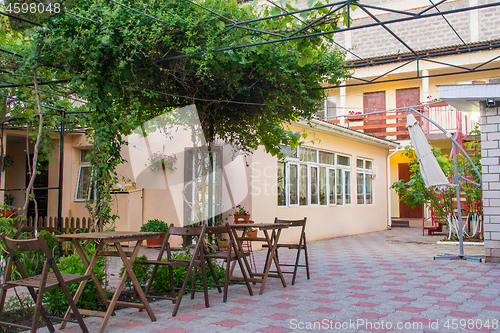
(378, 282)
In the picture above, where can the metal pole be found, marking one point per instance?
(61, 172)
(456, 181)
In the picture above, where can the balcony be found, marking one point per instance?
(392, 124)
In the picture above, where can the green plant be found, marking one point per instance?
(142, 272)
(161, 283)
(73, 264)
(154, 225)
(240, 210)
(7, 162)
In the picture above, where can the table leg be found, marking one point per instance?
(275, 258)
(272, 243)
(90, 270)
(131, 274)
(119, 288)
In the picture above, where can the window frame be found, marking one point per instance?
(90, 195)
(321, 184)
(364, 171)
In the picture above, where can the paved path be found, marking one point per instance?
(378, 282)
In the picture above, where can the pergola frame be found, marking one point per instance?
(412, 56)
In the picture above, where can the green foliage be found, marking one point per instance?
(161, 282)
(154, 225)
(73, 264)
(142, 272)
(116, 61)
(415, 193)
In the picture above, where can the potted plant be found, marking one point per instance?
(354, 116)
(154, 225)
(251, 232)
(241, 215)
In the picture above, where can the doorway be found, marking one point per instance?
(406, 97)
(405, 210)
(41, 195)
(374, 101)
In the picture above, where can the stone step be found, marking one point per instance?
(400, 224)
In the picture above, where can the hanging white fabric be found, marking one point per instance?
(431, 172)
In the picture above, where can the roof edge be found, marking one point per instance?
(342, 131)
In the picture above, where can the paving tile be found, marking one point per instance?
(171, 330)
(389, 272)
(461, 314)
(131, 324)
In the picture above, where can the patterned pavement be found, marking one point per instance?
(378, 282)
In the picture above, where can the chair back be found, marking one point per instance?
(223, 230)
(196, 232)
(14, 246)
(292, 223)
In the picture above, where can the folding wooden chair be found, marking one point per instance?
(43, 282)
(197, 260)
(230, 255)
(299, 246)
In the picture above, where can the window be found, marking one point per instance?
(329, 108)
(84, 188)
(313, 177)
(343, 180)
(364, 181)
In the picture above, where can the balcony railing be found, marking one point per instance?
(392, 124)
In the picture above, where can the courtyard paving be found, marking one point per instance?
(385, 281)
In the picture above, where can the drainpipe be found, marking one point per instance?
(389, 218)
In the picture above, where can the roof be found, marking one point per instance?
(344, 132)
(427, 53)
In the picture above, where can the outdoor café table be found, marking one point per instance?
(240, 235)
(113, 238)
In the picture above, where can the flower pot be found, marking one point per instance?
(7, 212)
(155, 242)
(222, 244)
(252, 234)
(354, 118)
(238, 219)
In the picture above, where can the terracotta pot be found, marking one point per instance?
(222, 244)
(7, 213)
(354, 118)
(238, 219)
(252, 234)
(155, 242)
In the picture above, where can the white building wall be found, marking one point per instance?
(490, 152)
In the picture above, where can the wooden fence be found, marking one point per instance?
(68, 225)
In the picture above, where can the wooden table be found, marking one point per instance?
(113, 238)
(240, 235)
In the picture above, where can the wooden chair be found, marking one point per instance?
(231, 255)
(197, 260)
(301, 245)
(38, 284)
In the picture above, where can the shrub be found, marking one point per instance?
(90, 299)
(142, 272)
(161, 282)
(154, 225)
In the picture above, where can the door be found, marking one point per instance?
(405, 211)
(41, 196)
(374, 101)
(406, 97)
(203, 186)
